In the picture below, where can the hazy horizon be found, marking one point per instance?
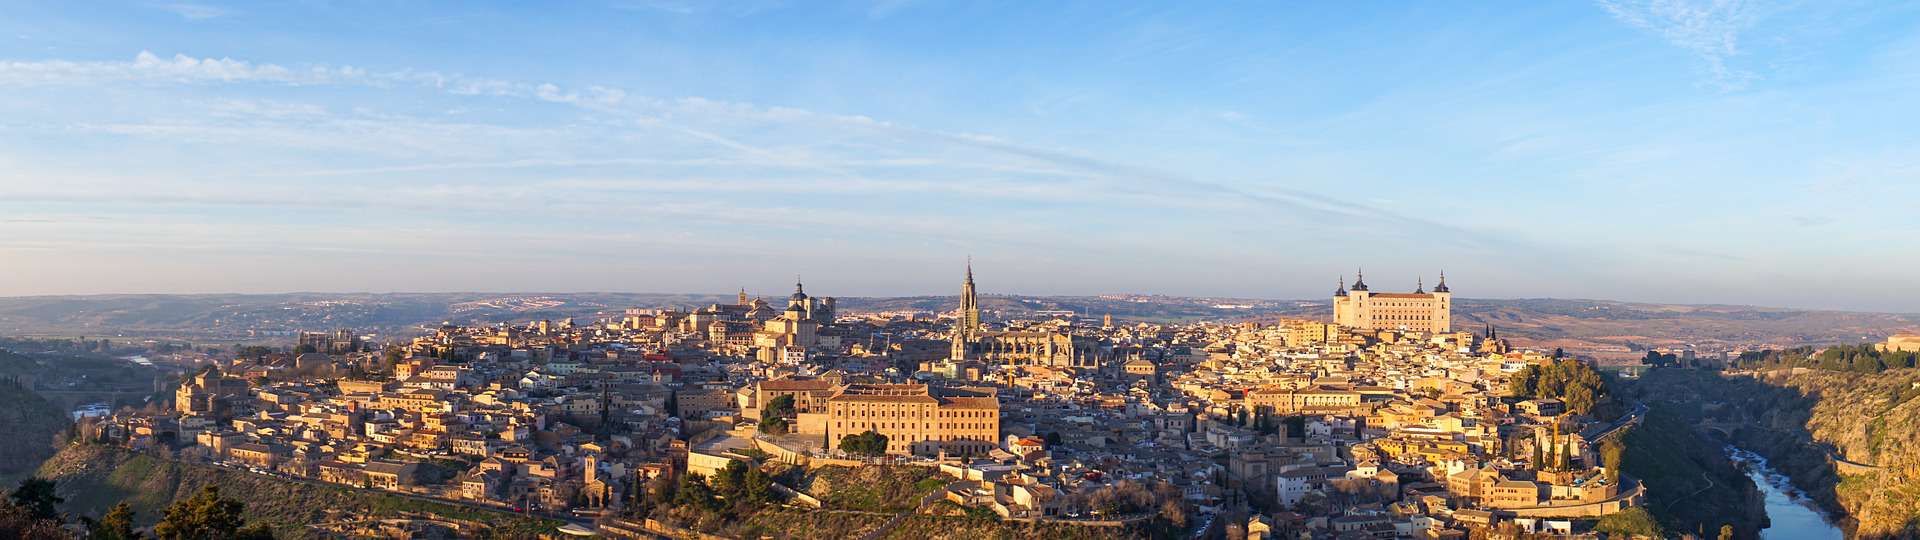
(777, 295)
(1738, 153)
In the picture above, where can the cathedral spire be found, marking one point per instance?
(1442, 287)
(1420, 285)
(1342, 289)
(1359, 280)
(967, 326)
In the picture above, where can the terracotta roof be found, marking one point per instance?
(971, 402)
(884, 398)
(792, 385)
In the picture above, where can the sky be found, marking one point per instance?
(1658, 150)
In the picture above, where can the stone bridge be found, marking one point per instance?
(1842, 465)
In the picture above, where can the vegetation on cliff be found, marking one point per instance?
(29, 424)
(1849, 439)
(1691, 485)
(94, 478)
(1864, 358)
(857, 501)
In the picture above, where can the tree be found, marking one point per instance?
(1174, 512)
(207, 515)
(693, 492)
(1121, 498)
(37, 497)
(1612, 454)
(727, 481)
(116, 525)
(868, 444)
(773, 417)
(755, 486)
(19, 522)
(1526, 383)
(1053, 439)
(660, 491)
(1631, 522)
(392, 357)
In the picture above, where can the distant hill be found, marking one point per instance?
(1597, 327)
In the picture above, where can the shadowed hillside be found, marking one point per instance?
(94, 477)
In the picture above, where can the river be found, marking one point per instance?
(1792, 516)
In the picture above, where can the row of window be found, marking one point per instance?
(907, 425)
(869, 412)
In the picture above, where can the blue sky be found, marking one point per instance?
(1673, 151)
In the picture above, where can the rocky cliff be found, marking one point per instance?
(1850, 440)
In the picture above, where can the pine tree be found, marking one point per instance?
(116, 525)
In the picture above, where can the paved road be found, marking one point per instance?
(1632, 418)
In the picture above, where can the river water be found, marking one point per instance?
(1792, 515)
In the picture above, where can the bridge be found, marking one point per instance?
(1725, 431)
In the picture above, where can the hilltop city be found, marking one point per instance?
(1384, 422)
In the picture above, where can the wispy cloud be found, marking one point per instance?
(194, 12)
(646, 161)
(1710, 29)
(149, 68)
(735, 8)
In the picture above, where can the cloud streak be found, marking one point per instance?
(856, 174)
(194, 12)
(1710, 29)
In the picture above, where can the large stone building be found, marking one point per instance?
(916, 418)
(1902, 343)
(1032, 348)
(1418, 311)
(208, 393)
(812, 308)
(1285, 400)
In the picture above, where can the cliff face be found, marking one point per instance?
(1850, 440)
(1870, 425)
